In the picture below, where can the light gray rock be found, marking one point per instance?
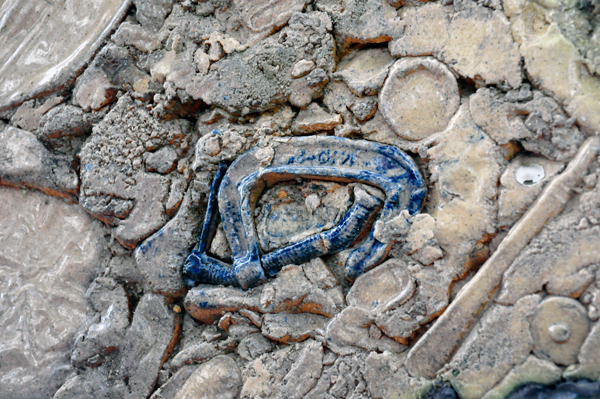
(365, 71)
(194, 353)
(314, 119)
(152, 13)
(419, 97)
(161, 161)
(49, 254)
(115, 186)
(386, 377)
(264, 70)
(254, 346)
(25, 162)
(172, 387)
(149, 342)
(218, 378)
(360, 21)
(304, 373)
(110, 303)
(349, 331)
(112, 70)
(160, 257)
(292, 327)
(500, 341)
(69, 34)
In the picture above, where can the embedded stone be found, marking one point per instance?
(319, 274)
(115, 188)
(194, 353)
(217, 378)
(302, 68)
(365, 71)
(149, 341)
(556, 259)
(425, 31)
(254, 346)
(292, 327)
(362, 21)
(480, 46)
(207, 303)
(152, 13)
(110, 303)
(515, 196)
(28, 116)
(383, 288)
(110, 72)
(532, 371)
(349, 331)
(419, 97)
(463, 150)
(174, 383)
(263, 377)
(70, 32)
(52, 253)
(386, 377)
(500, 341)
(589, 362)
(559, 327)
(314, 119)
(304, 373)
(27, 163)
(364, 109)
(161, 161)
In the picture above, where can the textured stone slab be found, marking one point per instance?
(218, 378)
(45, 44)
(49, 253)
(25, 162)
(419, 97)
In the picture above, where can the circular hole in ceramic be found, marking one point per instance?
(528, 175)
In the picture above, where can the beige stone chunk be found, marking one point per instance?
(425, 32)
(135, 35)
(480, 46)
(419, 97)
(263, 377)
(365, 71)
(533, 370)
(292, 291)
(499, 341)
(25, 162)
(430, 299)
(589, 361)
(465, 164)
(350, 330)
(49, 253)
(421, 231)
(434, 348)
(27, 117)
(387, 378)
(554, 63)
(218, 378)
(314, 119)
(559, 327)
(302, 67)
(45, 45)
(383, 288)
(499, 119)
(557, 260)
(304, 373)
(516, 197)
(292, 327)
(319, 274)
(149, 342)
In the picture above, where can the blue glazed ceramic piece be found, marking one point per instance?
(315, 157)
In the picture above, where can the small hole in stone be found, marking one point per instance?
(528, 175)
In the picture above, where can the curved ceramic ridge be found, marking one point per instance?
(320, 157)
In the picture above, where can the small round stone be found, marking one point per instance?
(419, 97)
(559, 332)
(559, 327)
